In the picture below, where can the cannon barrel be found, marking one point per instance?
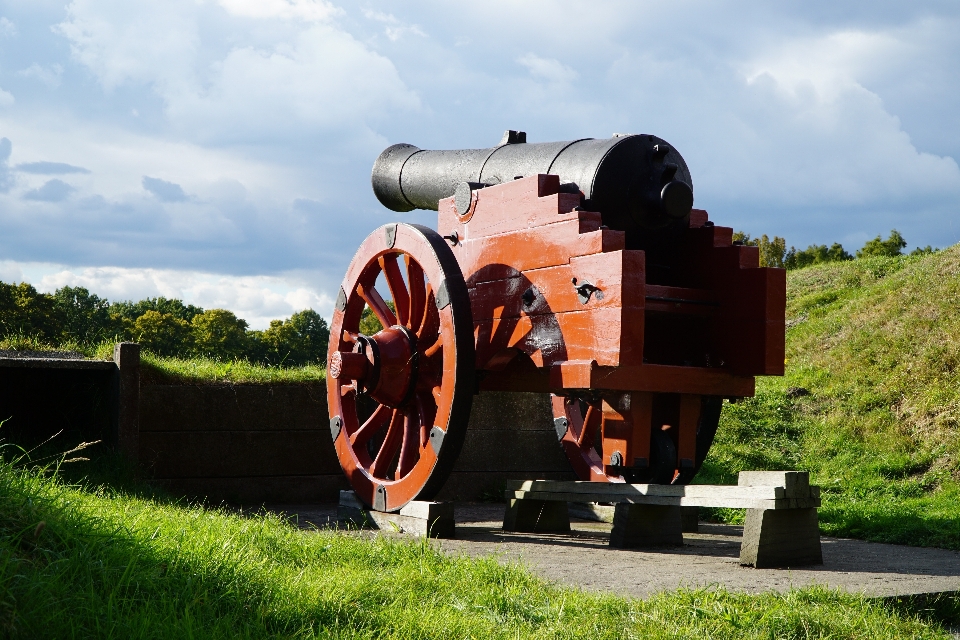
(638, 183)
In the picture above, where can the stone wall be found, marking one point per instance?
(271, 443)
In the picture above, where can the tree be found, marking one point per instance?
(772, 252)
(86, 317)
(300, 340)
(314, 333)
(218, 333)
(24, 310)
(892, 246)
(815, 254)
(163, 333)
(173, 306)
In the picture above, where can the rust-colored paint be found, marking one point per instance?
(636, 344)
(408, 401)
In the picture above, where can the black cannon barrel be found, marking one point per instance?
(638, 183)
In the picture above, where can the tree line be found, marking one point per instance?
(165, 326)
(774, 253)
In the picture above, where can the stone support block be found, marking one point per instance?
(537, 516)
(646, 525)
(781, 538)
(419, 518)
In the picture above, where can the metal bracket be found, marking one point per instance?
(442, 297)
(390, 235)
(341, 300)
(561, 425)
(380, 498)
(335, 424)
(436, 439)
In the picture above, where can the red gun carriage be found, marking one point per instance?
(576, 268)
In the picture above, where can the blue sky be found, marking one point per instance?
(220, 150)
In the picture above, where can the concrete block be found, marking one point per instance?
(781, 538)
(690, 519)
(796, 484)
(126, 391)
(537, 516)
(419, 518)
(645, 525)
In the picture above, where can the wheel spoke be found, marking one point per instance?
(360, 437)
(591, 420)
(380, 309)
(398, 290)
(381, 464)
(428, 290)
(409, 451)
(424, 426)
(432, 349)
(418, 293)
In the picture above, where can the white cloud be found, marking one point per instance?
(548, 69)
(6, 98)
(256, 299)
(49, 76)
(7, 28)
(141, 42)
(230, 83)
(395, 29)
(307, 10)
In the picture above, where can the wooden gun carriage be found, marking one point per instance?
(576, 268)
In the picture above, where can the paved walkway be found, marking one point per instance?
(710, 557)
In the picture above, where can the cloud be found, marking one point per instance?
(50, 168)
(6, 179)
(395, 28)
(163, 190)
(547, 69)
(52, 191)
(49, 76)
(7, 28)
(227, 83)
(6, 98)
(306, 10)
(257, 299)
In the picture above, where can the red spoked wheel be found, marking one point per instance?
(400, 399)
(578, 425)
(578, 422)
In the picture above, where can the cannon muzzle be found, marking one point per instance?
(638, 183)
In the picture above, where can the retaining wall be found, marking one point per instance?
(271, 443)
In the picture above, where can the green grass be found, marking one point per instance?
(102, 560)
(876, 342)
(160, 370)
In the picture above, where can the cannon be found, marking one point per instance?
(577, 268)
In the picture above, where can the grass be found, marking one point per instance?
(876, 343)
(118, 560)
(158, 370)
(163, 370)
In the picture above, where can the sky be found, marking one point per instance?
(219, 151)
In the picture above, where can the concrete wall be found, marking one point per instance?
(271, 443)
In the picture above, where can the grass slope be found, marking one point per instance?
(85, 561)
(876, 342)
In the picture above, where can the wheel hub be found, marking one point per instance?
(384, 365)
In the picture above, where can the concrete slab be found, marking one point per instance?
(583, 558)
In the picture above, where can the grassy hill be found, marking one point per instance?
(870, 403)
